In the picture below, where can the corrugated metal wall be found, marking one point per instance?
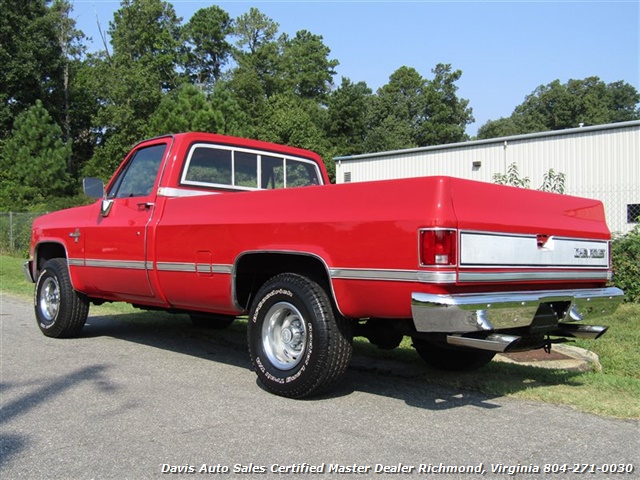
(600, 162)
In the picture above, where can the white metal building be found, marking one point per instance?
(600, 162)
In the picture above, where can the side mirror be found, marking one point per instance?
(93, 187)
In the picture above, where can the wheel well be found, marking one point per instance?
(47, 251)
(254, 269)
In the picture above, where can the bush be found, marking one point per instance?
(626, 264)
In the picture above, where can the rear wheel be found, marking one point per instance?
(299, 345)
(446, 357)
(60, 310)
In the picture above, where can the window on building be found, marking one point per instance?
(347, 177)
(633, 213)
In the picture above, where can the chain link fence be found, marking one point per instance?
(621, 205)
(15, 232)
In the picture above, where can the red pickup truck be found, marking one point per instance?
(219, 227)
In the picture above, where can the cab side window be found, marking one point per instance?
(244, 169)
(300, 174)
(272, 172)
(139, 175)
(209, 165)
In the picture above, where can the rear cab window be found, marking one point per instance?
(236, 168)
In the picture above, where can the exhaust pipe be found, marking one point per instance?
(579, 331)
(495, 342)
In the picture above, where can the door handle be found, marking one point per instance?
(145, 205)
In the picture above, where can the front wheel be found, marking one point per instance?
(61, 311)
(445, 357)
(299, 345)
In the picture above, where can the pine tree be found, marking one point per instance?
(34, 161)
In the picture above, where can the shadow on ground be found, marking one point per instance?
(402, 376)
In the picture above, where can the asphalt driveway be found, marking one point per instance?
(134, 399)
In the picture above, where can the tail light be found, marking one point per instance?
(438, 247)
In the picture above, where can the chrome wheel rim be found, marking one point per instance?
(49, 301)
(284, 336)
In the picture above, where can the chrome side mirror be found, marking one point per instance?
(94, 188)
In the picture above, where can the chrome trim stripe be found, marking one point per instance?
(126, 264)
(223, 269)
(436, 277)
(204, 268)
(182, 192)
(75, 262)
(192, 267)
(532, 276)
(160, 266)
(175, 267)
(392, 275)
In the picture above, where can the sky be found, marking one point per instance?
(505, 49)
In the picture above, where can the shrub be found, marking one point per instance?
(626, 264)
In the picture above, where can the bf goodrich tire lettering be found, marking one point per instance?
(299, 345)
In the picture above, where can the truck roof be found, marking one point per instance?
(190, 137)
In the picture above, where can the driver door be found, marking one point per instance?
(116, 236)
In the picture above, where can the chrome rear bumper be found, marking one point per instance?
(483, 312)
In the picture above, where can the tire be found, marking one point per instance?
(212, 322)
(445, 357)
(298, 344)
(61, 312)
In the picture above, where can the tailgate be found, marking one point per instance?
(510, 234)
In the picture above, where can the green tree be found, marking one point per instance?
(557, 106)
(31, 60)
(257, 55)
(306, 68)
(448, 115)
(147, 34)
(235, 119)
(77, 104)
(130, 81)
(396, 112)
(33, 161)
(411, 111)
(347, 113)
(71, 48)
(503, 127)
(183, 110)
(206, 35)
(290, 120)
(268, 65)
(254, 30)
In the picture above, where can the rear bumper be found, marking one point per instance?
(467, 313)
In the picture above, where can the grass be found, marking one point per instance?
(613, 392)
